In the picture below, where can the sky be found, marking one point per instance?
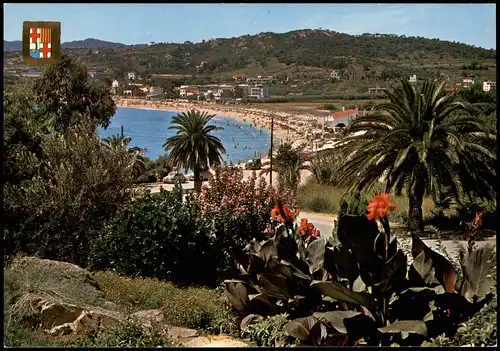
(472, 24)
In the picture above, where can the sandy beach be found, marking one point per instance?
(291, 127)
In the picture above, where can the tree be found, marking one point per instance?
(421, 143)
(193, 147)
(118, 142)
(65, 94)
(287, 163)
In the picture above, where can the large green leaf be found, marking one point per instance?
(268, 249)
(296, 272)
(444, 271)
(341, 293)
(394, 275)
(237, 295)
(300, 328)
(275, 286)
(316, 254)
(405, 328)
(250, 319)
(336, 318)
(479, 273)
(422, 265)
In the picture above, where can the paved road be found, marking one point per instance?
(325, 225)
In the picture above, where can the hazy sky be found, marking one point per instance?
(143, 23)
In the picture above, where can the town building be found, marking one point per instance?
(334, 74)
(92, 73)
(155, 91)
(240, 77)
(258, 91)
(489, 85)
(413, 78)
(452, 87)
(468, 80)
(131, 75)
(341, 118)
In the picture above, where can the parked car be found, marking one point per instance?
(254, 164)
(174, 177)
(206, 175)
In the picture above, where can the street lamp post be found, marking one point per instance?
(271, 156)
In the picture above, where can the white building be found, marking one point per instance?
(258, 91)
(131, 75)
(413, 78)
(334, 74)
(92, 73)
(342, 118)
(115, 84)
(489, 85)
(468, 80)
(154, 90)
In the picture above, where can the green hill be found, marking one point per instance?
(306, 57)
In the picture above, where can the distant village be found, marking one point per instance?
(242, 87)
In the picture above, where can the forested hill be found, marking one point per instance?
(313, 48)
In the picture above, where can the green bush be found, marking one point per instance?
(160, 236)
(126, 334)
(269, 332)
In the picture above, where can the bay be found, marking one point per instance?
(149, 129)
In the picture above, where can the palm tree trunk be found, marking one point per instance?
(415, 218)
(197, 180)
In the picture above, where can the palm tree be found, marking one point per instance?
(423, 143)
(119, 142)
(287, 162)
(193, 147)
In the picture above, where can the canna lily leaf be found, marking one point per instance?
(316, 254)
(336, 318)
(405, 328)
(479, 272)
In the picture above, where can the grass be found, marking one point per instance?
(192, 307)
(320, 198)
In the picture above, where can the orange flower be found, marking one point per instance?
(290, 215)
(307, 230)
(379, 206)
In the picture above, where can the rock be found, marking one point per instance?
(56, 314)
(149, 316)
(181, 333)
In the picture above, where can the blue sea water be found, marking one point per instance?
(149, 129)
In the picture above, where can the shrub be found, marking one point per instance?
(75, 186)
(238, 209)
(126, 334)
(269, 332)
(159, 236)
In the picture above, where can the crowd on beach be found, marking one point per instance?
(292, 127)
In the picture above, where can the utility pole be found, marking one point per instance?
(271, 165)
(121, 132)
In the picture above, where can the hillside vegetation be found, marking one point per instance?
(305, 57)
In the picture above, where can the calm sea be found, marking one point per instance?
(149, 129)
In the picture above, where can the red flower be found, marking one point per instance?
(307, 230)
(290, 215)
(379, 206)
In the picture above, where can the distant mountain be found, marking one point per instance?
(15, 45)
(89, 43)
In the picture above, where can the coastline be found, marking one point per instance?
(259, 118)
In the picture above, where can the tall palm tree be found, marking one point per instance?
(423, 143)
(119, 142)
(287, 162)
(193, 147)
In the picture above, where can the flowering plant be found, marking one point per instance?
(308, 231)
(378, 209)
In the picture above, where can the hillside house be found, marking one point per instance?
(489, 85)
(187, 90)
(224, 93)
(155, 90)
(468, 80)
(376, 90)
(342, 118)
(258, 91)
(92, 73)
(452, 87)
(240, 77)
(127, 92)
(413, 78)
(334, 74)
(131, 75)
(117, 86)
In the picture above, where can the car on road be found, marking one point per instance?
(206, 175)
(174, 177)
(254, 164)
